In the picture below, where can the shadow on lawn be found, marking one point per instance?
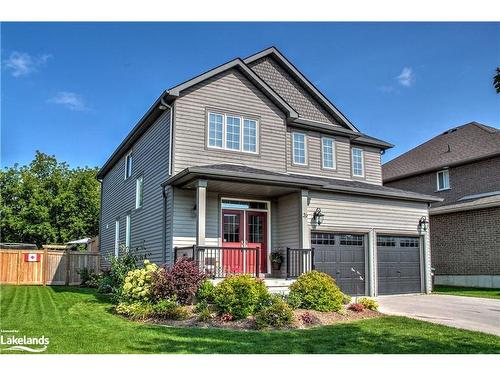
(369, 336)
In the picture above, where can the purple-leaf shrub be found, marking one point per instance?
(181, 281)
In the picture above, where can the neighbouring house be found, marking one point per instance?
(462, 166)
(250, 158)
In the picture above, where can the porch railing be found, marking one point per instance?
(299, 261)
(218, 261)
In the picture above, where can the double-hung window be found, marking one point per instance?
(357, 162)
(299, 148)
(139, 184)
(215, 129)
(232, 132)
(328, 153)
(128, 165)
(249, 135)
(443, 180)
(127, 231)
(117, 237)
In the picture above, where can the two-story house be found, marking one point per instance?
(250, 158)
(462, 166)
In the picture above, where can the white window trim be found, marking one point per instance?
(334, 153)
(117, 237)
(305, 148)
(447, 171)
(126, 165)
(224, 132)
(137, 191)
(127, 231)
(362, 162)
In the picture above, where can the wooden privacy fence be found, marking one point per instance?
(45, 267)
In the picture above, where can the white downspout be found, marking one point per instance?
(164, 104)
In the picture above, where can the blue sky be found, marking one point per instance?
(75, 90)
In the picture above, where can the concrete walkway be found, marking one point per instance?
(476, 314)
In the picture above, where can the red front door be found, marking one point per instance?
(243, 229)
(256, 236)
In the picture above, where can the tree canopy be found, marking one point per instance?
(496, 81)
(48, 202)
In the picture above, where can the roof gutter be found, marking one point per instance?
(191, 173)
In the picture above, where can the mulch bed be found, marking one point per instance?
(318, 319)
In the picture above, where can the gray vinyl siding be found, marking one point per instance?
(290, 90)
(184, 224)
(228, 92)
(372, 161)
(150, 160)
(372, 216)
(287, 221)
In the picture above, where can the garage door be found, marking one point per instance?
(338, 255)
(398, 265)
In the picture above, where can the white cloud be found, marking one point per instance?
(70, 100)
(22, 64)
(406, 77)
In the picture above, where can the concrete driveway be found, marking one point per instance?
(476, 314)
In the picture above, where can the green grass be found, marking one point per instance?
(467, 291)
(77, 320)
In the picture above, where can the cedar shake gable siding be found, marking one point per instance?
(291, 90)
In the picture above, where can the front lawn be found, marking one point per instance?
(467, 291)
(77, 320)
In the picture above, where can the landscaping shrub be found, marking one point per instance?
(277, 315)
(309, 318)
(112, 280)
(226, 317)
(165, 309)
(168, 309)
(204, 315)
(179, 282)
(358, 307)
(240, 296)
(293, 300)
(316, 291)
(206, 292)
(346, 299)
(135, 310)
(203, 311)
(89, 278)
(368, 303)
(138, 283)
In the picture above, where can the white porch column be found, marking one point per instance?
(305, 233)
(201, 210)
(371, 270)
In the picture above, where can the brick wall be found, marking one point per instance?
(466, 243)
(474, 178)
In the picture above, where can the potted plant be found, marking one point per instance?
(276, 260)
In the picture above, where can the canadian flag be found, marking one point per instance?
(32, 257)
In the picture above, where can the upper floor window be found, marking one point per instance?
(215, 130)
(328, 153)
(232, 132)
(139, 184)
(357, 162)
(299, 148)
(128, 165)
(443, 180)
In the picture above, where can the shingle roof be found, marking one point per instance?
(466, 143)
(244, 173)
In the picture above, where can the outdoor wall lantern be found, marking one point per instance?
(318, 216)
(422, 223)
